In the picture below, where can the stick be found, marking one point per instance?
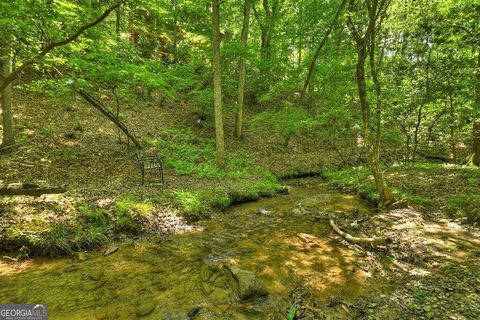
(358, 240)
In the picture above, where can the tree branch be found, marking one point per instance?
(16, 73)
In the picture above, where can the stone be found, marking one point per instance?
(144, 309)
(110, 251)
(95, 275)
(80, 256)
(100, 314)
(194, 312)
(245, 283)
(263, 211)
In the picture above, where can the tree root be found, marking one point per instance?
(359, 240)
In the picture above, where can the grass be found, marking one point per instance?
(431, 187)
(190, 155)
(465, 206)
(199, 204)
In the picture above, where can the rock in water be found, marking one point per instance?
(80, 256)
(245, 283)
(194, 312)
(144, 309)
(263, 211)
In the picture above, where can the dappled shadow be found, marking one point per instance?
(278, 247)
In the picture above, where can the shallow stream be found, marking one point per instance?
(180, 276)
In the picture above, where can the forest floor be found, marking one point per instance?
(434, 263)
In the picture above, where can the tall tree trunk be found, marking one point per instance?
(118, 22)
(373, 150)
(453, 142)
(217, 85)
(311, 68)
(476, 125)
(242, 71)
(476, 143)
(175, 31)
(362, 45)
(7, 115)
(267, 27)
(416, 133)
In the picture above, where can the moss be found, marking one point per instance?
(131, 205)
(199, 204)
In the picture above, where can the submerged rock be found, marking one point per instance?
(95, 275)
(193, 313)
(263, 211)
(80, 256)
(245, 284)
(144, 309)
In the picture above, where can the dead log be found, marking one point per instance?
(359, 240)
(27, 189)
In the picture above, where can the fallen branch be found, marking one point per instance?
(24, 189)
(358, 240)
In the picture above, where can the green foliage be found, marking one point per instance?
(291, 313)
(129, 213)
(465, 206)
(189, 155)
(287, 121)
(354, 180)
(93, 216)
(267, 186)
(66, 238)
(191, 205)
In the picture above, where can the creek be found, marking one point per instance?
(242, 264)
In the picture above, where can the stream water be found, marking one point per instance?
(180, 276)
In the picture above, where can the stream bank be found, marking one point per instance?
(258, 260)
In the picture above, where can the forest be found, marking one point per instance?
(240, 159)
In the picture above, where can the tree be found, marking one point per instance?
(376, 11)
(476, 143)
(9, 75)
(50, 46)
(8, 136)
(242, 70)
(311, 68)
(217, 85)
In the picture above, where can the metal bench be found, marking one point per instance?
(150, 162)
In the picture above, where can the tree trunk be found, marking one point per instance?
(362, 46)
(7, 115)
(476, 143)
(453, 142)
(118, 22)
(373, 154)
(217, 85)
(311, 68)
(175, 31)
(242, 71)
(476, 124)
(417, 131)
